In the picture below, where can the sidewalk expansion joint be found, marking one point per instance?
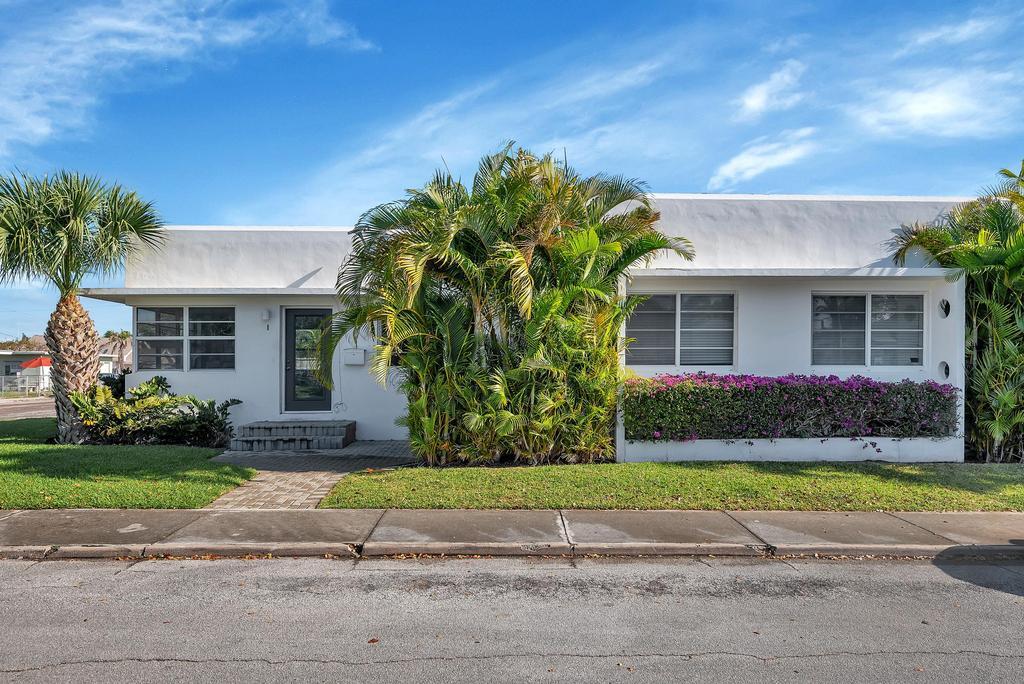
(914, 524)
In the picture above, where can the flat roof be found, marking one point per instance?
(866, 272)
(810, 198)
(117, 294)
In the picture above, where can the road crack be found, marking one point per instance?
(504, 656)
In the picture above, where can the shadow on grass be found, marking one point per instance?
(27, 430)
(24, 451)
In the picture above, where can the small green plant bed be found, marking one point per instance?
(709, 486)
(34, 474)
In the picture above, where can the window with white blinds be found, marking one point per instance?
(838, 328)
(706, 325)
(861, 330)
(703, 324)
(653, 330)
(897, 330)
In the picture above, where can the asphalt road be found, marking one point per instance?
(36, 407)
(511, 620)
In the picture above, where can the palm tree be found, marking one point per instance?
(62, 228)
(501, 305)
(120, 340)
(983, 242)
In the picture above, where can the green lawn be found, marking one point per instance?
(735, 486)
(34, 474)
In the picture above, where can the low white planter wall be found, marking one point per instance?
(915, 450)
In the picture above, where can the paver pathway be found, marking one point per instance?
(300, 479)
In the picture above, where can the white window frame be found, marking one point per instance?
(185, 338)
(868, 294)
(678, 294)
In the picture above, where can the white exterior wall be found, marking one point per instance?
(771, 236)
(773, 337)
(258, 376)
(207, 257)
(776, 232)
(773, 323)
(771, 251)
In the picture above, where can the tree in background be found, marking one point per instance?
(501, 305)
(121, 340)
(983, 240)
(62, 228)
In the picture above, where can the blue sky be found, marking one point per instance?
(310, 112)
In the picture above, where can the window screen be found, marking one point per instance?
(211, 354)
(211, 321)
(159, 322)
(706, 324)
(838, 328)
(897, 330)
(653, 329)
(160, 354)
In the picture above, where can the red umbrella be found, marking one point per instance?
(38, 362)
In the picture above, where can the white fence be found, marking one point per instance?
(32, 384)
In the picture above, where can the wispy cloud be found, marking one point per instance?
(763, 155)
(954, 33)
(777, 92)
(56, 68)
(785, 44)
(945, 104)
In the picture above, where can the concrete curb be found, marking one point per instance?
(668, 549)
(380, 549)
(293, 549)
(97, 551)
(371, 548)
(25, 552)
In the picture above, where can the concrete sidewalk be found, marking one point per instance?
(98, 533)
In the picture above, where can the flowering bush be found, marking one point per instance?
(702, 406)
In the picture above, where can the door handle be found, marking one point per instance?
(288, 365)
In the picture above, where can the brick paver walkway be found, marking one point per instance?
(300, 479)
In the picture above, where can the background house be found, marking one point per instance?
(16, 377)
(781, 284)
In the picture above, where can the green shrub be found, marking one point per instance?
(499, 303)
(702, 406)
(152, 414)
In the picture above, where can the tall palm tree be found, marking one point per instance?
(62, 228)
(120, 340)
(501, 305)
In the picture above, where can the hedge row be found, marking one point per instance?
(704, 406)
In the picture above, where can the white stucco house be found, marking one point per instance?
(780, 284)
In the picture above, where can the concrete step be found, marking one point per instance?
(293, 435)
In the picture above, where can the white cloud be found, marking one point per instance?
(954, 34)
(777, 92)
(56, 67)
(763, 155)
(785, 44)
(939, 103)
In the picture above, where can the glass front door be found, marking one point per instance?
(302, 392)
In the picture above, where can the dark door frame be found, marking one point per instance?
(291, 404)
